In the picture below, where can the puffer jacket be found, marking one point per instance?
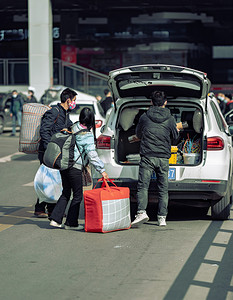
(53, 121)
(156, 128)
(86, 145)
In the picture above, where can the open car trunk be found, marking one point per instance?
(186, 150)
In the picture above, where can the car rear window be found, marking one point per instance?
(220, 121)
(143, 84)
(79, 107)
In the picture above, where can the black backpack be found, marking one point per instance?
(59, 153)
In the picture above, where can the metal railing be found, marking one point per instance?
(15, 72)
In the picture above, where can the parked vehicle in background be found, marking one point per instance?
(84, 100)
(201, 164)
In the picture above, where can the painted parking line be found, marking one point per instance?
(9, 157)
(7, 221)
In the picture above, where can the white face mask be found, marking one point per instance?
(14, 96)
(221, 98)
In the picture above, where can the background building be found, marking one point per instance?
(104, 35)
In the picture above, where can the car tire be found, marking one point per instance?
(1, 125)
(220, 210)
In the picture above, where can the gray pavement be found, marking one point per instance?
(189, 259)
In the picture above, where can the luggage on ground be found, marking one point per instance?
(107, 208)
(48, 184)
(30, 127)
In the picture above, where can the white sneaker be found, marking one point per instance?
(140, 218)
(162, 221)
(79, 227)
(55, 224)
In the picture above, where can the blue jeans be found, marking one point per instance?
(16, 118)
(146, 167)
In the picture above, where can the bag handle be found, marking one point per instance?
(105, 183)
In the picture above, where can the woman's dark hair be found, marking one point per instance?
(87, 118)
(158, 98)
(67, 94)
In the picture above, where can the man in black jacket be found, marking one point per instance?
(53, 121)
(16, 110)
(155, 128)
(107, 102)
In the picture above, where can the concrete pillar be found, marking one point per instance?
(40, 45)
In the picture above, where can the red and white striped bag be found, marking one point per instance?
(107, 208)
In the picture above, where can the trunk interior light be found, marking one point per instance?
(215, 143)
(103, 142)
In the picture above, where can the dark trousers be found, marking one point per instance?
(161, 168)
(71, 181)
(40, 207)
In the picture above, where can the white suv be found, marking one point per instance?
(201, 170)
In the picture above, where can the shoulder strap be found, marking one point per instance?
(82, 130)
(58, 113)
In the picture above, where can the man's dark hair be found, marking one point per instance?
(106, 91)
(229, 96)
(158, 98)
(67, 94)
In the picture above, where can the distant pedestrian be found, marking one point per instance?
(107, 102)
(72, 177)
(98, 97)
(222, 101)
(229, 101)
(155, 129)
(31, 98)
(16, 108)
(53, 121)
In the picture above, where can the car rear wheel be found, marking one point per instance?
(220, 210)
(1, 125)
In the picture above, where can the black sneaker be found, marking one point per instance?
(40, 214)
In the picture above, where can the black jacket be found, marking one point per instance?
(16, 104)
(156, 128)
(106, 104)
(53, 121)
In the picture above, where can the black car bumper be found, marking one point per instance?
(181, 190)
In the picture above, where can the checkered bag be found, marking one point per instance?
(107, 208)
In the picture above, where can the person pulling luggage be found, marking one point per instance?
(72, 177)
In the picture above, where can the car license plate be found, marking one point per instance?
(171, 174)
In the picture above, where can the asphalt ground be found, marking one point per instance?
(191, 258)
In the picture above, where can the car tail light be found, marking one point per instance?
(215, 143)
(103, 142)
(211, 181)
(98, 123)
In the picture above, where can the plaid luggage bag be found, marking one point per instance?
(30, 127)
(107, 208)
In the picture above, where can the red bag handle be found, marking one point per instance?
(105, 184)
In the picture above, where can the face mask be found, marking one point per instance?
(14, 96)
(72, 105)
(221, 98)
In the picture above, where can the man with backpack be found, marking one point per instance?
(53, 121)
